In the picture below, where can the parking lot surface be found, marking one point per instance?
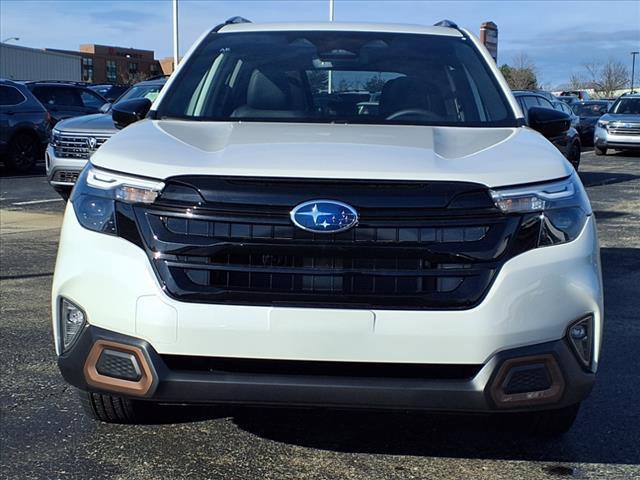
(45, 435)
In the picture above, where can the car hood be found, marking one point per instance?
(613, 117)
(490, 156)
(98, 123)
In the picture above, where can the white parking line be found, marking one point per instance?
(33, 202)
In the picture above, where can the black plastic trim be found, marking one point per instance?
(283, 389)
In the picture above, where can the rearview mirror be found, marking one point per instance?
(550, 123)
(129, 111)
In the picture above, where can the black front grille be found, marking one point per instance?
(64, 176)
(417, 245)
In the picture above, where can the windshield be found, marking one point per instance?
(590, 110)
(141, 91)
(629, 106)
(352, 77)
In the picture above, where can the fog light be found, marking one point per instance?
(578, 332)
(72, 319)
(580, 336)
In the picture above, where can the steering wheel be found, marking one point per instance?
(414, 111)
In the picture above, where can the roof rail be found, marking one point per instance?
(230, 21)
(234, 20)
(65, 82)
(446, 23)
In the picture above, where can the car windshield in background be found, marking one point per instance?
(626, 106)
(332, 76)
(149, 92)
(590, 109)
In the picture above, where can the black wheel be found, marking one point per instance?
(547, 423)
(600, 151)
(574, 155)
(113, 409)
(22, 153)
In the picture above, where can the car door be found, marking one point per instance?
(10, 112)
(62, 101)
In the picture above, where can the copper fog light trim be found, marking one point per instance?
(95, 379)
(550, 395)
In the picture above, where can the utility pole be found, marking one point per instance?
(329, 81)
(176, 54)
(633, 68)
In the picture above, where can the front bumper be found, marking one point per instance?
(532, 300)
(602, 138)
(480, 393)
(62, 173)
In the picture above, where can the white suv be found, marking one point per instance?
(259, 239)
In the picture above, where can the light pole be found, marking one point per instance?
(633, 68)
(6, 40)
(329, 81)
(176, 58)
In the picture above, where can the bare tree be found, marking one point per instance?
(521, 74)
(578, 82)
(129, 78)
(607, 77)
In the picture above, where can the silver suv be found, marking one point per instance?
(620, 127)
(74, 140)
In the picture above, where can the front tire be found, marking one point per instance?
(22, 153)
(600, 151)
(112, 409)
(574, 155)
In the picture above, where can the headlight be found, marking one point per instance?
(54, 138)
(602, 123)
(96, 191)
(562, 207)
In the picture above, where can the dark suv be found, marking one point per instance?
(109, 91)
(569, 142)
(66, 99)
(24, 127)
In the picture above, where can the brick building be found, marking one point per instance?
(109, 64)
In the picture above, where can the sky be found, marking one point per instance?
(559, 36)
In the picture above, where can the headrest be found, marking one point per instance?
(269, 91)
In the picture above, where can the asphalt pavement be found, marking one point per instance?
(45, 435)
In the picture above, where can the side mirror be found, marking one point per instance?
(550, 123)
(129, 111)
(105, 108)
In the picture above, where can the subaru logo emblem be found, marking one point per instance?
(92, 142)
(324, 216)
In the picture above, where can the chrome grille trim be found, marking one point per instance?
(76, 145)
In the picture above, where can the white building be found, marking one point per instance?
(23, 63)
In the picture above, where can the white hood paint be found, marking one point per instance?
(490, 156)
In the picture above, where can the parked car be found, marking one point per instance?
(74, 140)
(563, 107)
(109, 91)
(239, 244)
(581, 95)
(568, 99)
(24, 127)
(66, 99)
(619, 128)
(589, 113)
(568, 142)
